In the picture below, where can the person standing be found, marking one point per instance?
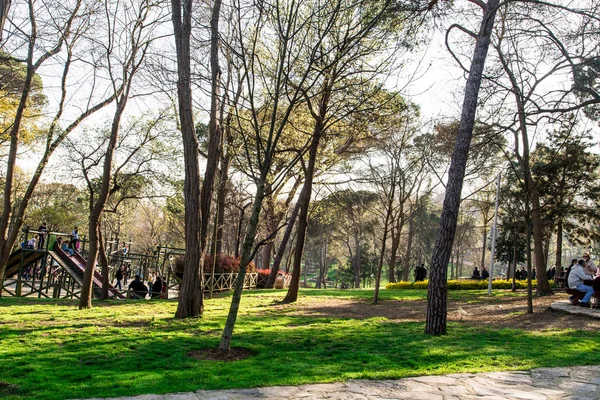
(119, 277)
(42, 231)
(75, 239)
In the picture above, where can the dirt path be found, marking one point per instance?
(501, 312)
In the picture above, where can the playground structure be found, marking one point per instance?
(50, 272)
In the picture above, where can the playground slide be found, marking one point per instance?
(14, 262)
(78, 263)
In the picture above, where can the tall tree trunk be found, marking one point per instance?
(357, 261)
(388, 215)
(238, 232)
(221, 199)
(281, 249)
(4, 8)
(103, 260)
(304, 201)
(529, 268)
(393, 255)
(543, 286)
(266, 255)
(559, 240)
(96, 214)
(191, 302)
(5, 219)
(246, 258)
(436, 321)
(484, 240)
(408, 256)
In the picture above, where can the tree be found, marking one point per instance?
(437, 290)
(49, 31)
(355, 33)
(566, 173)
(137, 22)
(521, 82)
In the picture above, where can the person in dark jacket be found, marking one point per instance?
(157, 288)
(119, 277)
(138, 289)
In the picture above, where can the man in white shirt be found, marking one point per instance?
(576, 278)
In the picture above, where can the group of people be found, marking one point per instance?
(521, 274)
(420, 273)
(139, 290)
(156, 286)
(483, 274)
(582, 275)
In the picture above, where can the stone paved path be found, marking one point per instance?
(571, 309)
(574, 383)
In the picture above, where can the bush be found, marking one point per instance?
(225, 264)
(463, 284)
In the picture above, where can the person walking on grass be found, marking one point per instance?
(119, 277)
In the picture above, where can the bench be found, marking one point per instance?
(578, 296)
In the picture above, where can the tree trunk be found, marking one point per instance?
(5, 219)
(103, 260)
(281, 250)
(304, 202)
(266, 255)
(543, 286)
(388, 215)
(96, 214)
(4, 8)
(246, 258)
(238, 234)
(357, 261)
(483, 247)
(221, 199)
(436, 321)
(191, 302)
(408, 256)
(393, 252)
(529, 288)
(559, 240)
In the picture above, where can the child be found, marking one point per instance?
(66, 249)
(31, 242)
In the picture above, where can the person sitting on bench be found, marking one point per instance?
(156, 288)
(576, 278)
(138, 289)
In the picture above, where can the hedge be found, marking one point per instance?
(463, 284)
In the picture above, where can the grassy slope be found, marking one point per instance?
(51, 350)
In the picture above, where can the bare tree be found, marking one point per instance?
(130, 31)
(524, 83)
(272, 91)
(64, 28)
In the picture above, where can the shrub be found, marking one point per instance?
(225, 264)
(466, 284)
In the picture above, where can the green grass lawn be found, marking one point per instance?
(51, 350)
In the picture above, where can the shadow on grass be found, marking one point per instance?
(150, 360)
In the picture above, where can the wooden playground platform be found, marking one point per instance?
(52, 273)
